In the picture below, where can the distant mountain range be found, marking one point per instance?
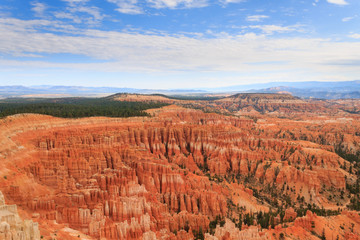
(80, 91)
(325, 90)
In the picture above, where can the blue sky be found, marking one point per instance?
(178, 43)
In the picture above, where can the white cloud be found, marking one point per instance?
(66, 15)
(135, 52)
(17, 25)
(137, 7)
(38, 8)
(270, 29)
(346, 19)
(92, 11)
(134, 6)
(88, 14)
(127, 6)
(74, 2)
(338, 2)
(355, 35)
(256, 18)
(232, 1)
(178, 3)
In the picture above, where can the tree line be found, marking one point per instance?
(77, 107)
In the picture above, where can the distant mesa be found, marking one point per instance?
(141, 98)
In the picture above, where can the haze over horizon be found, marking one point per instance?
(169, 44)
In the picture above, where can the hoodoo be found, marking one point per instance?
(180, 174)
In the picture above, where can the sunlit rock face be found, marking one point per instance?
(12, 227)
(165, 176)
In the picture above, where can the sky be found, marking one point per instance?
(162, 44)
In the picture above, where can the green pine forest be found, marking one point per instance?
(75, 107)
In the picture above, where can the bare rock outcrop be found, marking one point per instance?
(12, 227)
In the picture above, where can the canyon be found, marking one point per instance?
(247, 166)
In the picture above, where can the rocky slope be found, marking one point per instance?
(255, 104)
(182, 173)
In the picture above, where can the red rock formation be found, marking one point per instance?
(290, 214)
(153, 177)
